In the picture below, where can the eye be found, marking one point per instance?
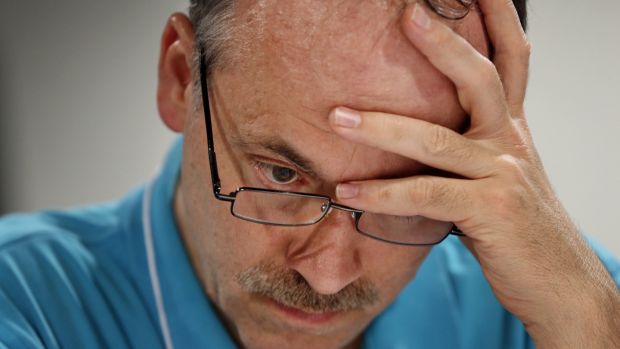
(278, 174)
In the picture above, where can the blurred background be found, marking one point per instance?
(79, 124)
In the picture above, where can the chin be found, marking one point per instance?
(264, 324)
(257, 339)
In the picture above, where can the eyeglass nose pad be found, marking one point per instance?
(324, 208)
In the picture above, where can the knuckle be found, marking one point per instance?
(439, 141)
(510, 196)
(440, 37)
(383, 194)
(525, 50)
(511, 167)
(484, 76)
(506, 200)
(421, 192)
(488, 73)
(397, 130)
(507, 161)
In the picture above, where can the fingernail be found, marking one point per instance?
(345, 117)
(420, 17)
(347, 191)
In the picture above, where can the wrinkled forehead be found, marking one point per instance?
(309, 20)
(323, 33)
(295, 60)
(350, 52)
(325, 41)
(350, 27)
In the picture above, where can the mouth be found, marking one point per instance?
(302, 316)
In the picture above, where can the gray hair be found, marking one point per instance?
(211, 20)
(212, 24)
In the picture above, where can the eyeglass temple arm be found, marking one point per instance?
(215, 177)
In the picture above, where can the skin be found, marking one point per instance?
(412, 85)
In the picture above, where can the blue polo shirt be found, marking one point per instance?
(117, 276)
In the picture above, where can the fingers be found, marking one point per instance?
(438, 198)
(512, 50)
(428, 143)
(478, 85)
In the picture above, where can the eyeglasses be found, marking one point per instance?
(294, 209)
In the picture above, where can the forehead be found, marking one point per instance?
(296, 60)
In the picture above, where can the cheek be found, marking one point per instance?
(227, 246)
(220, 245)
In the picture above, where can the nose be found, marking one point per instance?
(328, 258)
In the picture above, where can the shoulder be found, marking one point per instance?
(77, 232)
(43, 263)
(30, 242)
(64, 280)
(35, 243)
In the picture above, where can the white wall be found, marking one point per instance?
(573, 108)
(78, 120)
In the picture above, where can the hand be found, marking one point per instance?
(531, 253)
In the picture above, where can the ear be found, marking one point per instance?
(175, 74)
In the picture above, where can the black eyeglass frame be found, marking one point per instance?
(231, 197)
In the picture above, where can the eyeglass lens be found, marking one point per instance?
(281, 208)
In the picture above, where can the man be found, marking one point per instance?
(351, 137)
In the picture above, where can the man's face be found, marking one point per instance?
(317, 286)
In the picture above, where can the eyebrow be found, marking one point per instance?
(278, 146)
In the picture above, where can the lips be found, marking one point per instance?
(296, 314)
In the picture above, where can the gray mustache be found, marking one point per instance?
(288, 287)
